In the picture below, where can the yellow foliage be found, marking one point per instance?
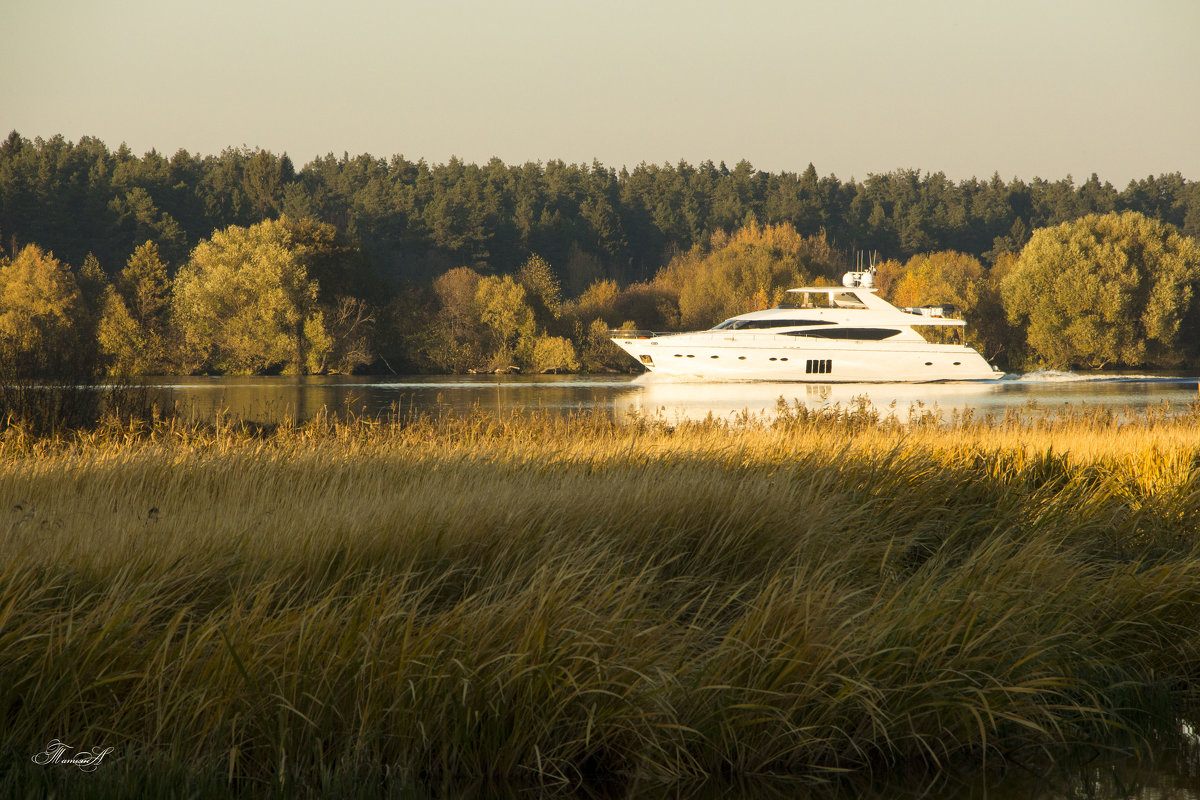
(599, 300)
(502, 306)
(749, 270)
(39, 301)
(245, 301)
(887, 275)
(119, 336)
(554, 354)
(946, 278)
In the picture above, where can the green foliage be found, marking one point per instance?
(501, 305)
(542, 289)
(93, 283)
(245, 303)
(1111, 289)
(416, 220)
(132, 330)
(373, 231)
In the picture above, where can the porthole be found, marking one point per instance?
(929, 363)
(690, 355)
(772, 358)
(679, 355)
(783, 359)
(714, 356)
(958, 363)
(741, 358)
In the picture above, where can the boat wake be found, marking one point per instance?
(1060, 376)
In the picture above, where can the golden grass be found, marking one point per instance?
(564, 599)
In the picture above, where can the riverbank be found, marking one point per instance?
(564, 601)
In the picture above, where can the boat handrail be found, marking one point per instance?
(629, 333)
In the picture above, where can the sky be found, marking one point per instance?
(1023, 88)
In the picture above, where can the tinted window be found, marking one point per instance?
(867, 334)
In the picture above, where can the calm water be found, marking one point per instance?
(270, 399)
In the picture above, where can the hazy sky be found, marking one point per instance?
(1023, 87)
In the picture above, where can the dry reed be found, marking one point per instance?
(565, 600)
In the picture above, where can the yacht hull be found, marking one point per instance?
(712, 356)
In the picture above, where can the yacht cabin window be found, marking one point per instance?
(862, 334)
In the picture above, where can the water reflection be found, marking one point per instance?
(673, 400)
(273, 399)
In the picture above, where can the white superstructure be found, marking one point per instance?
(826, 334)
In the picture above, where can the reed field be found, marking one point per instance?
(378, 607)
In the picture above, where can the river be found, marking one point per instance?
(273, 399)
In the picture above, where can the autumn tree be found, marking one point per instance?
(542, 289)
(946, 278)
(553, 354)
(345, 280)
(508, 319)
(1107, 289)
(41, 312)
(351, 326)
(748, 271)
(489, 322)
(456, 335)
(132, 330)
(47, 358)
(597, 353)
(590, 317)
(955, 279)
(245, 302)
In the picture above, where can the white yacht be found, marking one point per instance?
(824, 334)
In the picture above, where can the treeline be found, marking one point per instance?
(415, 220)
(239, 263)
(288, 295)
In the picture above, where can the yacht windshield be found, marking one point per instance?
(847, 300)
(940, 334)
(819, 299)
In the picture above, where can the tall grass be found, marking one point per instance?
(569, 600)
